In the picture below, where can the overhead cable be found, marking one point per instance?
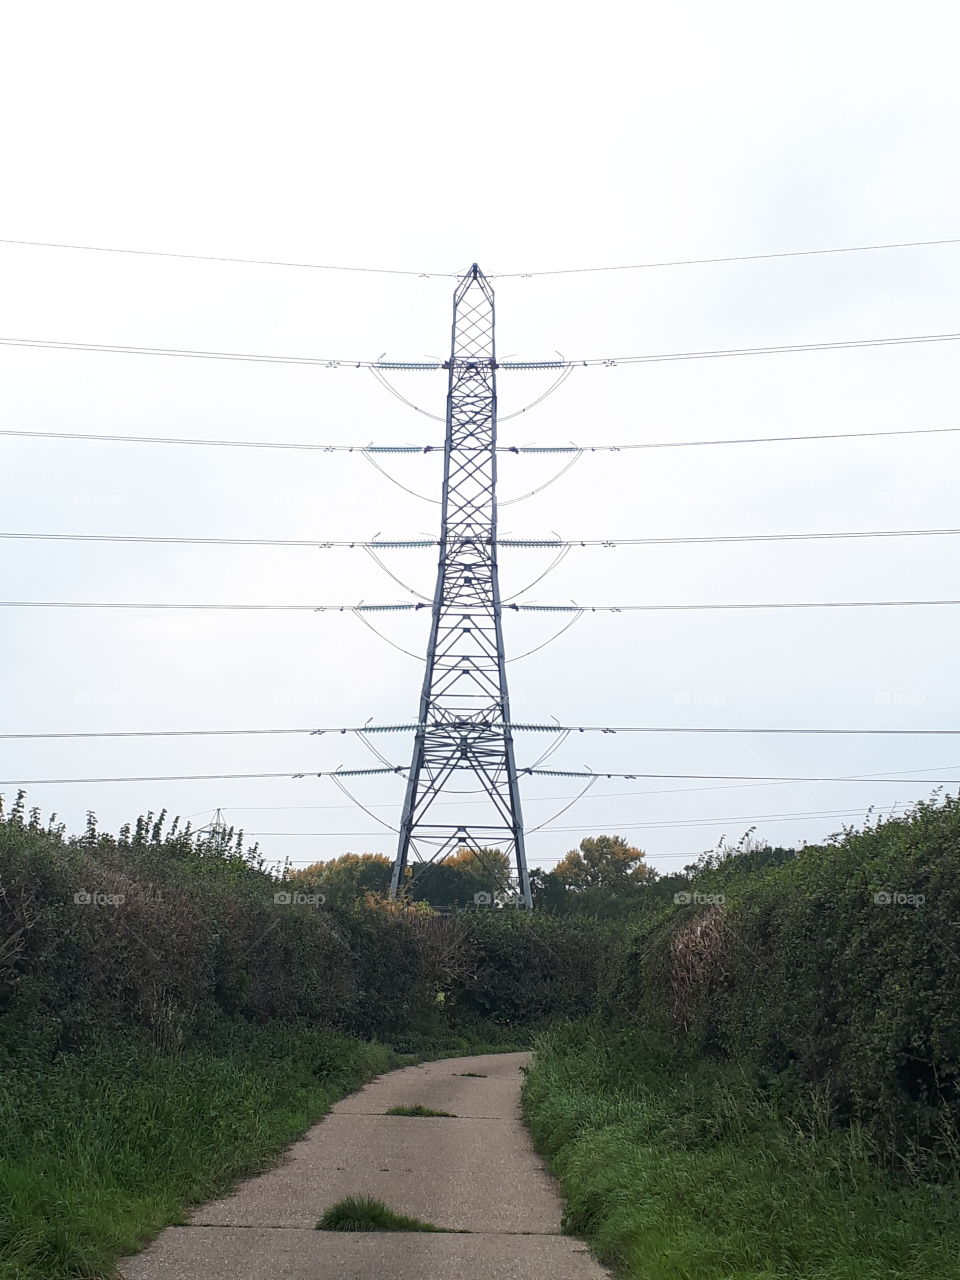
(494, 275)
(699, 262)
(198, 777)
(789, 348)
(438, 448)
(416, 544)
(326, 362)
(401, 771)
(735, 777)
(515, 608)
(796, 816)
(256, 262)
(551, 728)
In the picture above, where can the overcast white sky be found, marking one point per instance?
(524, 137)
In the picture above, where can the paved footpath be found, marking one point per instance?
(475, 1174)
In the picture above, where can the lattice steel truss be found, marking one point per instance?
(463, 746)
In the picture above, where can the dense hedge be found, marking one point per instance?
(802, 974)
(180, 933)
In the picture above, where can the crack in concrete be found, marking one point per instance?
(277, 1226)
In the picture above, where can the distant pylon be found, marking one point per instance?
(463, 743)
(216, 834)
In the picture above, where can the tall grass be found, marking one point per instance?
(101, 1150)
(678, 1169)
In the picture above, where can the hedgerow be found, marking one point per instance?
(837, 970)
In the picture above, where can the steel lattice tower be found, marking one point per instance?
(463, 741)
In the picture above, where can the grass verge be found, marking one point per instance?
(417, 1110)
(676, 1170)
(362, 1213)
(104, 1148)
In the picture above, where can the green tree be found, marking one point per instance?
(486, 868)
(454, 881)
(345, 879)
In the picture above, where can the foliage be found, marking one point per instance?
(103, 1148)
(455, 881)
(833, 972)
(171, 934)
(362, 1213)
(347, 879)
(603, 862)
(526, 969)
(675, 1168)
(354, 877)
(605, 879)
(417, 1111)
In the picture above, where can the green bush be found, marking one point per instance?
(528, 969)
(676, 1168)
(804, 977)
(187, 933)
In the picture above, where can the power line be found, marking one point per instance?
(538, 862)
(208, 257)
(497, 275)
(707, 444)
(546, 728)
(548, 799)
(516, 608)
(696, 853)
(380, 544)
(741, 257)
(606, 795)
(386, 544)
(783, 349)
(234, 444)
(795, 816)
(657, 608)
(199, 777)
(117, 349)
(400, 771)
(735, 777)
(429, 448)
(594, 361)
(739, 537)
(516, 728)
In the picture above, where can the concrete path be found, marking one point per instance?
(475, 1174)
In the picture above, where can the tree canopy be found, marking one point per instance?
(603, 862)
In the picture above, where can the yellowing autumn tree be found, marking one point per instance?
(603, 862)
(487, 868)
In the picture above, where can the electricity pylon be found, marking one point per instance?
(463, 746)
